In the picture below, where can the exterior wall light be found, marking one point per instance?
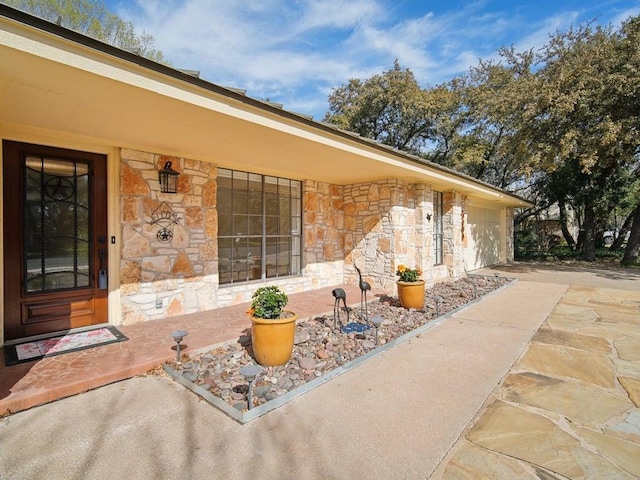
(168, 179)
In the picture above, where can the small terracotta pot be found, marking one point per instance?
(272, 340)
(411, 294)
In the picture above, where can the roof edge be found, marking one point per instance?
(236, 94)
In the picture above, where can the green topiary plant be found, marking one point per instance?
(268, 302)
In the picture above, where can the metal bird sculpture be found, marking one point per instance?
(364, 286)
(339, 294)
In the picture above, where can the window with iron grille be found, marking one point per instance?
(259, 226)
(437, 227)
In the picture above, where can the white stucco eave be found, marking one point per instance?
(59, 85)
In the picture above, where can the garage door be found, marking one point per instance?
(483, 238)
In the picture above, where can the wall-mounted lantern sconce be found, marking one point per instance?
(168, 179)
(428, 217)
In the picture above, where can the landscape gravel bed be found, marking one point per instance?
(321, 346)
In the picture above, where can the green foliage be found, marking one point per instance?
(268, 302)
(565, 253)
(390, 108)
(490, 146)
(529, 248)
(408, 274)
(559, 125)
(525, 244)
(582, 125)
(94, 19)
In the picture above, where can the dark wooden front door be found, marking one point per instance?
(55, 239)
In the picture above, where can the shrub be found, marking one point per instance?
(268, 302)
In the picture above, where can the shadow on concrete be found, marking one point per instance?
(596, 276)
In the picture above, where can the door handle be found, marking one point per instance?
(103, 281)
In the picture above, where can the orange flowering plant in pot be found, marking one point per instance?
(273, 329)
(410, 287)
(408, 274)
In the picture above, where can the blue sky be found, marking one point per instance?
(293, 52)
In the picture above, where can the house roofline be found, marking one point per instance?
(233, 93)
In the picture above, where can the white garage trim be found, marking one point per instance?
(484, 237)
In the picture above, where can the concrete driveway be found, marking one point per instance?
(597, 276)
(486, 394)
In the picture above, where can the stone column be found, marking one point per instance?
(324, 233)
(453, 253)
(423, 227)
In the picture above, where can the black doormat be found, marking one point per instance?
(64, 343)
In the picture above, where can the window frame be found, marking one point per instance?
(269, 223)
(438, 227)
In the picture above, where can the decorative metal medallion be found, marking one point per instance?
(165, 218)
(59, 188)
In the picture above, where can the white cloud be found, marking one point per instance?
(539, 36)
(625, 14)
(341, 14)
(295, 51)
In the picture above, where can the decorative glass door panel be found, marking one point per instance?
(54, 239)
(56, 225)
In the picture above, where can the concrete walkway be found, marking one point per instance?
(465, 399)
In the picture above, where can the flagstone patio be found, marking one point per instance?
(570, 406)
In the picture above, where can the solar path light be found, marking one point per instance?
(250, 372)
(377, 321)
(178, 335)
(438, 300)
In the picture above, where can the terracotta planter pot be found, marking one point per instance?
(411, 294)
(272, 340)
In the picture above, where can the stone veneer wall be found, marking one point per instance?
(166, 279)
(425, 257)
(369, 232)
(324, 234)
(375, 226)
(181, 275)
(453, 249)
(386, 224)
